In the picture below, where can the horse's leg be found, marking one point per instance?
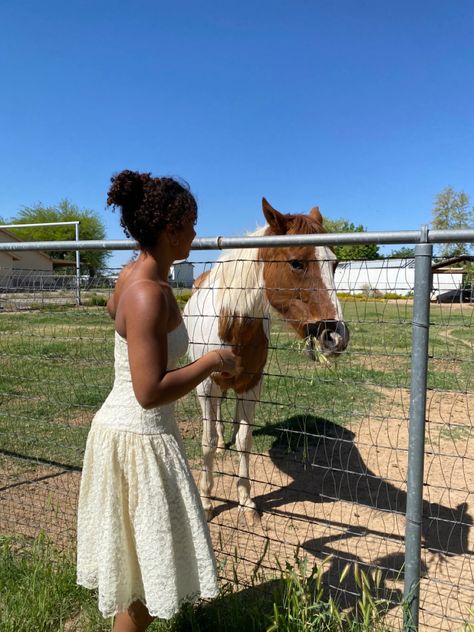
(245, 414)
(209, 397)
(220, 427)
(235, 430)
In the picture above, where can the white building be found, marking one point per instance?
(29, 270)
(181, 274)
(390, 275)
(18, 261)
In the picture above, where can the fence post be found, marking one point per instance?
(416, 435)
(78, 269)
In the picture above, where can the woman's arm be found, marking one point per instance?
(111, 306)
(146, 312)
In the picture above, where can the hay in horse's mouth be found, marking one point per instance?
(313, 350)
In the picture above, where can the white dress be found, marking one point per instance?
(141, 533)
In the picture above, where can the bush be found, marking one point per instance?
(182, 297)
(96, 300)
(374, 295)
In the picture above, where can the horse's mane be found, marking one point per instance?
(238, 277)
(238, 274)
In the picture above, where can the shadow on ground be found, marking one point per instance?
(325, 465)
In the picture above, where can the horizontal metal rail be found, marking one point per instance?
(40, 224)
(224, 243)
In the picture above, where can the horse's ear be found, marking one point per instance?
(275, 219)
(315, 213)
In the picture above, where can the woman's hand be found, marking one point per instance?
(226, 360)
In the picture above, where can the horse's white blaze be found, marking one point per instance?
(326, 259)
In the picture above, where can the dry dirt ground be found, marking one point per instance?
(341, 495)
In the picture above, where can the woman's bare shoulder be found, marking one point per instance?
(119, 285)
(142, 300)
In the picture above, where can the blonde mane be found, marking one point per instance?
(238, 277)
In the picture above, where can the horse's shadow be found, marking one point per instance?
(325, 465)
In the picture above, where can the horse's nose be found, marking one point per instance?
(332, 335)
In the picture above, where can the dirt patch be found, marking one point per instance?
(449, 335)
(79, 419)
(42, 499)
(345, 496)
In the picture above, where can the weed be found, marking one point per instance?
(303, 607)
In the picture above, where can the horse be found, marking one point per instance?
(231, 306)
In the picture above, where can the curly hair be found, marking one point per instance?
(149, 204)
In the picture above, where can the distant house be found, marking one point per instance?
(181, 274)
(391, 275)
(18, 261)
(25, 268)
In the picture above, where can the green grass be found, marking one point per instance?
(38, 592)
(55, 370)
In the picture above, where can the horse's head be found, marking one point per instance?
(299, 281)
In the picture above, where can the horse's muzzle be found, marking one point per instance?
(332, 335)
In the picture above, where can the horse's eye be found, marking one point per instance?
(296, 264)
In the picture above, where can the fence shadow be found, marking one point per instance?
(325, 465)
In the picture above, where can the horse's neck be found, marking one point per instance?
(239, 279)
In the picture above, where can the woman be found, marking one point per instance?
(142, 537)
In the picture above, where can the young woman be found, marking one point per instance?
(142, 537)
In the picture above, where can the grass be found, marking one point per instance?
(39, 593)
(302, 605)
(56, 369)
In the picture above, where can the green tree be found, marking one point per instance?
(90, 227)
(452, 210)
(405, 252)
(355, 251)
(468, 280)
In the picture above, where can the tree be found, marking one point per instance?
(350, 252)
(453, 211)
(405, 252)
(90, 227)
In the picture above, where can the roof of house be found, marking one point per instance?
(13, 237)
(378, 263)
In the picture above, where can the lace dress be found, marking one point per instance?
(142, 533)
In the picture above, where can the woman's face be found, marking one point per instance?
(184, 237)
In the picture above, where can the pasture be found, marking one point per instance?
(328, 463)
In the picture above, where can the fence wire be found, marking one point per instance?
(330, 440)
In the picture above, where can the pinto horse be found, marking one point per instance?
(230, 306)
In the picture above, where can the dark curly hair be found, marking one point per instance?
(149, 204)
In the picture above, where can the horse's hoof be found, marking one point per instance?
(208, 512)
(249, 517)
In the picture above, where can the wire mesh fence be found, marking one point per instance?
(328, 463)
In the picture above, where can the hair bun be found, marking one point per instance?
(127, 188)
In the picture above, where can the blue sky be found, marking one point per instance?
(364, 107)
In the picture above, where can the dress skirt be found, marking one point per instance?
(142, 533)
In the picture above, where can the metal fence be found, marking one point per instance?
(366, 460)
